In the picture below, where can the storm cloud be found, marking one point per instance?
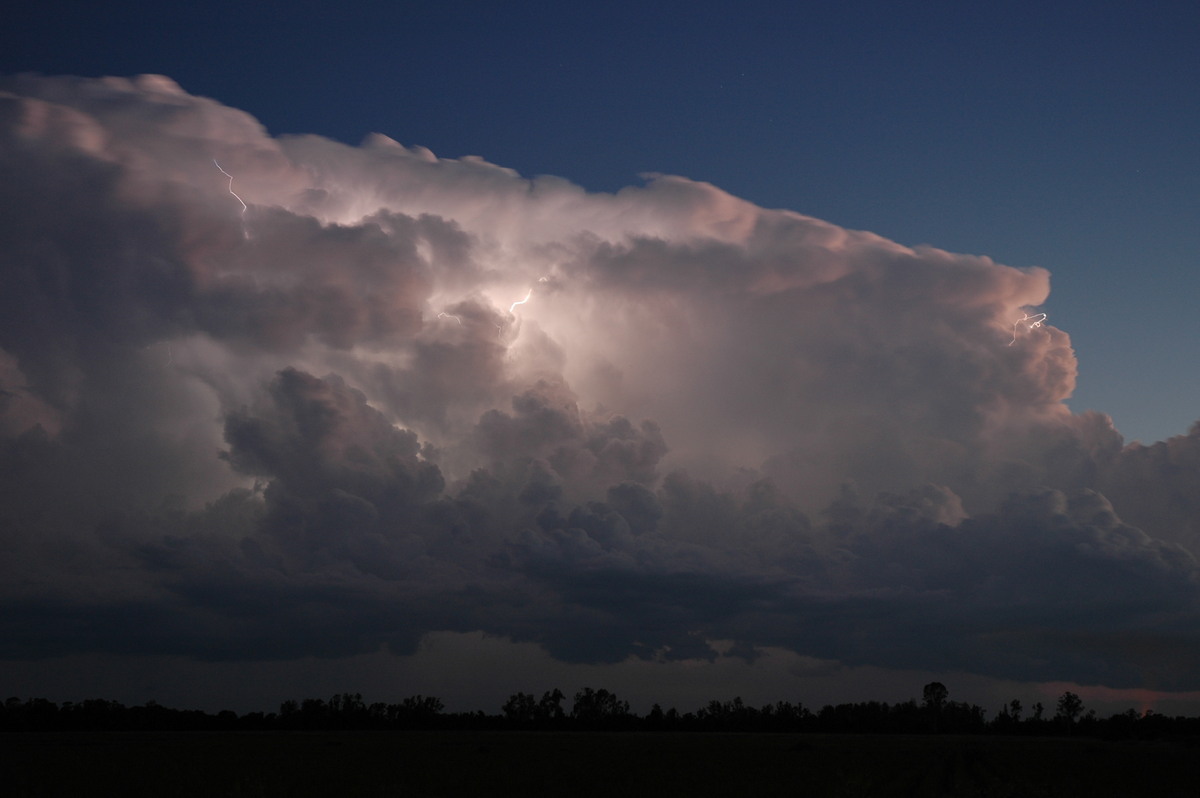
(401, 394)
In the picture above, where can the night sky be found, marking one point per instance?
(689, 351)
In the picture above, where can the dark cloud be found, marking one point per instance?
(403, 395)
(1155, 487)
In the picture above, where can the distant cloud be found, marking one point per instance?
(324, 426)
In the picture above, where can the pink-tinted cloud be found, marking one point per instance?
(329, 424)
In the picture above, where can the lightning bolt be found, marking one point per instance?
(449, 316)
(520, 302)
(231, 191)
(513, 307)
(1031, 322)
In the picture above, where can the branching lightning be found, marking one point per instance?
(449, 316)
(1030, 322)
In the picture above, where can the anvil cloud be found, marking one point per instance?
(320, 427)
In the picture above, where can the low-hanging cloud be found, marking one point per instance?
(329, 423)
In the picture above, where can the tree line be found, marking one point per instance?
(601, 710)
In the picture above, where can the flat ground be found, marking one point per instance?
(534, 764)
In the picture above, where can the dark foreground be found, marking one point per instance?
(581, 764)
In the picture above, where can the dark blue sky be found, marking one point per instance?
(1061, 135)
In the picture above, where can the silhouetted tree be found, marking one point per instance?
(960, 717)
(347, 711)
(599, 708)
(314, 713)
(1069, 708)
(347, 704)
(520, 708)
(550, 707)
(934, 695)
(378, 713)
(417, 711)
(787, 715)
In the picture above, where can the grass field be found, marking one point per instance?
(580, 764)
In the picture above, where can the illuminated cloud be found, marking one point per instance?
(402, 394)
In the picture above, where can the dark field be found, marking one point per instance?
(581, 764)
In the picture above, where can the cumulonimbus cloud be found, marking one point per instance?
(706, 420)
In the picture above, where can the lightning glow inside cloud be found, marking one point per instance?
(718, 422)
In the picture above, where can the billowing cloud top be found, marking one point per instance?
(263, 398)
